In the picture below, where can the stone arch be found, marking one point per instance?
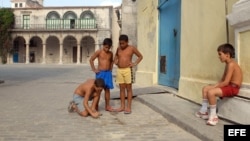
(69, 15)
(87, 20)
(53, 20)
(69, 20)
(88, 47)
(52, 49)
(87, 15)
(70, 49)
(35, 49)
(19, 50)
(53, 15)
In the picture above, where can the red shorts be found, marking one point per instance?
(230, 90)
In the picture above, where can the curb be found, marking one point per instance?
(179, 112)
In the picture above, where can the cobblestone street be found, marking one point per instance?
(34, 100)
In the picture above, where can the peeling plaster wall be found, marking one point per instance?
(147, 41)
(203, 30)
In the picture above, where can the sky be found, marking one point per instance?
(48, 3)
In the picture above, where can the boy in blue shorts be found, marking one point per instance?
(104, 69)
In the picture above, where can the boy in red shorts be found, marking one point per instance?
(228, 86)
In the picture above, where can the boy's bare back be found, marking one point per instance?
(233, 72)
(85, 87)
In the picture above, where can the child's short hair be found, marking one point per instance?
(123, 37)
(99, 82)
(107, 41)
(227, 48)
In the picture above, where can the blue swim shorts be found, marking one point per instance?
(107, 77)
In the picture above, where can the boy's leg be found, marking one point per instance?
(203, 112)
(83, 113)
(122, 97)
(212, 99)
(129, 98)
(97, 104)
(107, 99)
(212, 95)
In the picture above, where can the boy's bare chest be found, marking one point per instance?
(104, 55)
(125, 53)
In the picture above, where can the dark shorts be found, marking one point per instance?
(107, 77)
(230, 90)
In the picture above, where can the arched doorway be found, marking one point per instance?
(88, 47)
(69, 20)
(52, 49)
(36, 49)
(19, 50)
(70, 50)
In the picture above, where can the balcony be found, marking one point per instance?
(81, 26)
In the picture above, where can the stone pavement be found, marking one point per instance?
(34, 99)
(180, 111)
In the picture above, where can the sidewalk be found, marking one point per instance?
(180, 111)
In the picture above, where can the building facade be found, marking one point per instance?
(60, 35)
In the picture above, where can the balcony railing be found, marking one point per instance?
(57, 26)
(53, 27)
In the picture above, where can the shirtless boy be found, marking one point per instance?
(123, 60)
(104, 69)
(228, 86)
(90, 89)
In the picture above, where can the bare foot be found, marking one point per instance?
(109, 108)
(119, 110)
(127, 111)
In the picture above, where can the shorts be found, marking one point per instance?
(230, 90)
(124, 75)
(107, 77)
(78, 101)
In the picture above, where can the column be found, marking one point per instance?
(44, 54)
(61, 54)
(27, 53)
(78, 54)
(97, 46)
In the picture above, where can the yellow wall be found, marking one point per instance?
(244, 56)
(147, 36)
(203, 29)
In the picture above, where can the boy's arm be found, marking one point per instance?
(86, 105)
(92, 59)
(227, 76)
(116, 57)
(111, 62)
(139, 56)
(95, 101)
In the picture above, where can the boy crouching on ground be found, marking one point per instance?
(90, 89)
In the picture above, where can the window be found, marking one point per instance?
(69, 20)
(20, 5)
(53, 20)
(16, 4)
(87, 20)
(26, 21)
